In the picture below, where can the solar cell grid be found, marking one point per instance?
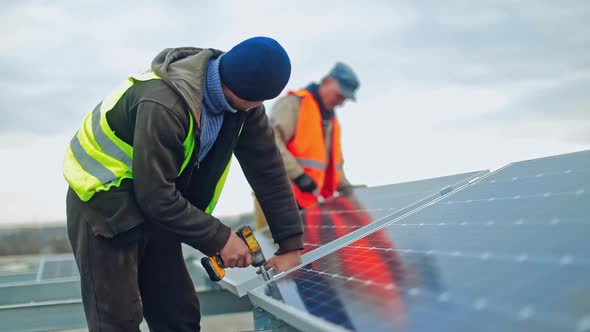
(343, 215)
(57, 268)
(508, 253)
(344, 218)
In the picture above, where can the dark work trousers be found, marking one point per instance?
(122, 284)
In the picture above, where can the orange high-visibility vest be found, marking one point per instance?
(309, 148)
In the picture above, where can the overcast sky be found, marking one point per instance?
(446, 86)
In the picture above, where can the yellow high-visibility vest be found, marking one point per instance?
(97, 160)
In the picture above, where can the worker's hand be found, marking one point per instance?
(235, 253)
(284, 262)
(306, 184)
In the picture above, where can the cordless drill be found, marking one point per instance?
(214, 264)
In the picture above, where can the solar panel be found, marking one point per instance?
(507, 253)
(344, 217)
(57, 267)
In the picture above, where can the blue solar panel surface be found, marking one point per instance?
(340, 216)
(508, 253)
(57, 268)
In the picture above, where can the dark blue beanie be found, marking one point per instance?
(256, 69)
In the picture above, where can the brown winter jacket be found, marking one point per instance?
(152, 117)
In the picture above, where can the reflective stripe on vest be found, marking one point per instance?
(311, 163)
(96, 159)
(218, 189)
(220, 183)
(309, 149)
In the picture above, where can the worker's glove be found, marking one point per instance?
(349, 190)
(306, 184)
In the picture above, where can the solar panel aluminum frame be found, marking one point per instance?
(29, 292)
(295, 318)
(241, 287)
(57, 305)
(49, 315)
(10, 278)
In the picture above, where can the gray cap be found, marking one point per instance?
(346, 78)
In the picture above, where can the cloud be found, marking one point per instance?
(445, 86)
(565, 100)
(581, 135)
(63, 58)
(558, 110)
(496, 43)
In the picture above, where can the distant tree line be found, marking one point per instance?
(54, 239)
(27, 241)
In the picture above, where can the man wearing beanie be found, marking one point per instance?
(307, 133)
(145, 171)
